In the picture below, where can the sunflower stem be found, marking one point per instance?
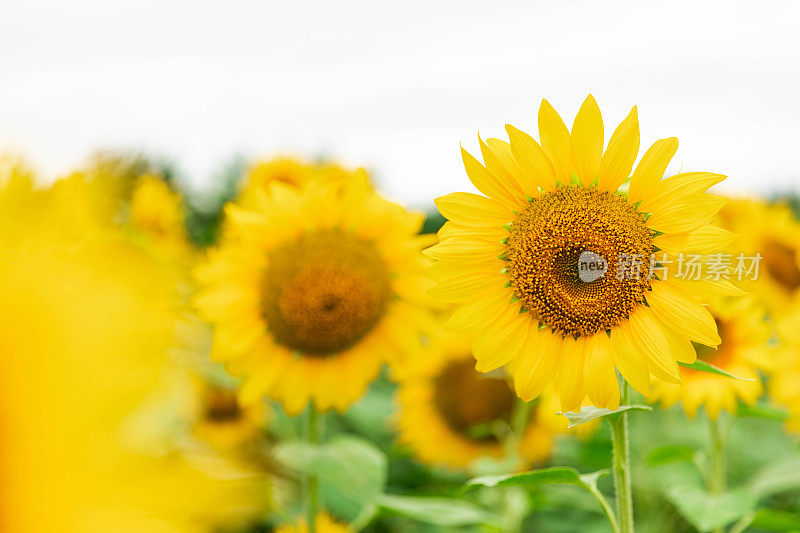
(717, 481)
(622, 466)
(312, 484)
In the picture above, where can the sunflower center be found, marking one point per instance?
(548, 243)
(324, 291)
(221, 406)
(781, 264)
(470, 401)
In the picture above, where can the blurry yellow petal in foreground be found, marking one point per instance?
(86, 325)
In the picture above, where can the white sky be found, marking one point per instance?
(396, 86)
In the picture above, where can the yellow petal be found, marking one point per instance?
(600, 376)
(629, 360)
(679, 185)
(555, 141)
(680, 347)
(651, 169)
(498, 154)
(476, 314)
(453, 229)
(536, 169)
(486, 181)
(706, 290)
(686, 213)
(473, 210)
(586, 141)
(570, 373)
(535, 366)
(447, 270)
(617, 162)
(463, 248)
(466, 288)
(698, 240)
(648, 334)
(500, 341)
(683, 313)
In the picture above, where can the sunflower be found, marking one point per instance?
(743, 352)
(784, 386)
(450, 414)
(157, 211)
(220, 418)
(511, 259)
(313, 290)
(88, 323)
(771, 231)
(322, 524)
(290, 171)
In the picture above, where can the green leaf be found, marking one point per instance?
(554, 475)
(587, 414)
(775, 520)
(443, 512)
(557, 474)
(706, 511)
(776, 477)
(671, 454)
(762, 410)
(702, 366)
(351, 472)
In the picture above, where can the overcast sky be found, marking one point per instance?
(396, 86)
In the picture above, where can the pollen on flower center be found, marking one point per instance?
(546, 241)
(324, 291)
(466, 398)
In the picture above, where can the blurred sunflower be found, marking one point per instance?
(221, 420)
(784, 386)
(744, 351)
(451, 414)
(100, 313)
(313, 290)
(510, 259)
(157, 212)
(322, 524)
(770, 230)
(289, 171)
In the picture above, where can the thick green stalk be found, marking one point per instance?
(312, 484)
(622, 466)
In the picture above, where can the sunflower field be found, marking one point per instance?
(589, 343)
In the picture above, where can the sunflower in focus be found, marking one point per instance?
(510, 258)
(289, 171)
(744, 350)
(313, 290)
(770, 230)
(451, 414)
(322, 524)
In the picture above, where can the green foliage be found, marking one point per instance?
(351, 471)
(446, 512)
(587, 414)
(702, 366)
(553, 475)
(772, 520)
(707, 511)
